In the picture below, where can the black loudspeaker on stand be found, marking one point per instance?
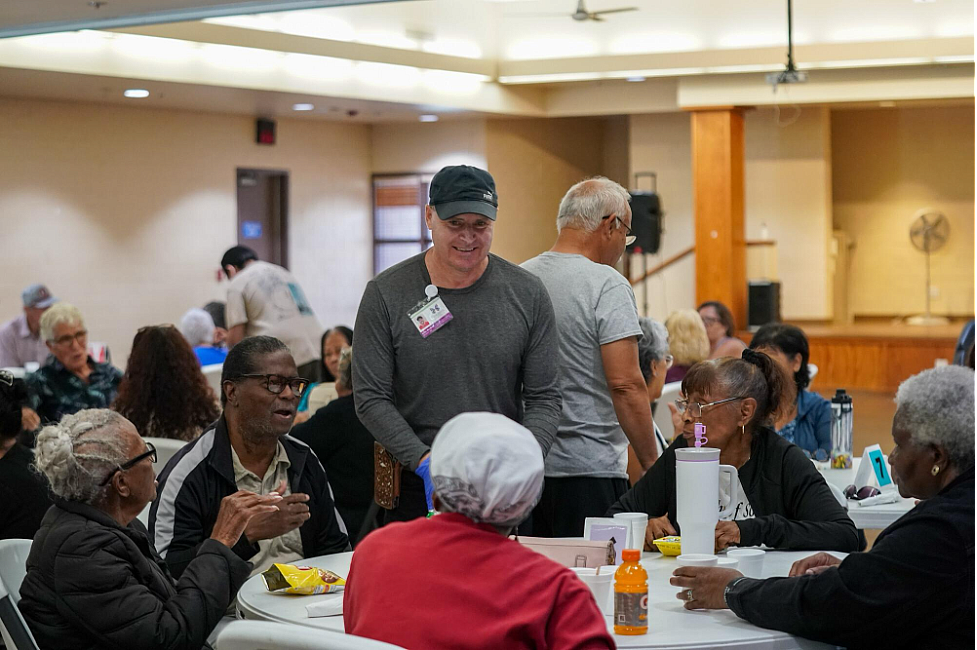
(646, 217)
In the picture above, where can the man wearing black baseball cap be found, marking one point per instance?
(487, 340)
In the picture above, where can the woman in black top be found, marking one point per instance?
(787, 504)
(345, 449)
(23, 493)
(915, 587)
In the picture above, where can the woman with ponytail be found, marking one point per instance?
(783, 502)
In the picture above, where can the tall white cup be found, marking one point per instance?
(697, 494)
(639, 524)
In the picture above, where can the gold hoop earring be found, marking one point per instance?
(935, 470)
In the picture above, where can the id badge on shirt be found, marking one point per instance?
(430, 314)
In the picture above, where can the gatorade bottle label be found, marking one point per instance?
(631, 610)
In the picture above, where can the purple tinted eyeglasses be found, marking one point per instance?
(861, 493)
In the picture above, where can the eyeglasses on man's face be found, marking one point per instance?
(129, 464)
(628, 236)
(276, 383)
(695, 409)
(67, 339)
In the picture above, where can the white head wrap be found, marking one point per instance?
(487, 467)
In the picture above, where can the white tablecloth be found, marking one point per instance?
(670, 625)
(865, 517)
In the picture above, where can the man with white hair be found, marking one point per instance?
(70, 380)
(455, 580)
(197, 327)
(605, 399)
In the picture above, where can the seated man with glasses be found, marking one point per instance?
(70, 380)
(782, 500)
(93, 579)
(249, 448)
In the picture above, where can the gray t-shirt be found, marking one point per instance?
(594, 306)
(497, 354)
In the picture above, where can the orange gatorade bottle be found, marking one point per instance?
(631, 595)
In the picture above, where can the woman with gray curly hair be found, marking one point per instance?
(654, 360)
(94, 579)
(920, 570)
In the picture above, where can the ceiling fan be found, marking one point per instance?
(581, 15)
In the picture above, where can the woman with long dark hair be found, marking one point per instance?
(164, 393)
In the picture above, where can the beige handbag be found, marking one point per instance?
(572, 552)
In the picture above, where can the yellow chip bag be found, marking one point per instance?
(302, 580)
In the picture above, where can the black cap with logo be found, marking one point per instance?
(461, 189)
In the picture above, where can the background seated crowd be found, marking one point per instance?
(477, 425)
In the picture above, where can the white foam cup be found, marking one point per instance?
(639, 524)
(583, 570)
(750, 559)
(727, 563)
(696, 559)
(600, 585)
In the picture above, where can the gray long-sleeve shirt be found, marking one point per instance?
(499, 353)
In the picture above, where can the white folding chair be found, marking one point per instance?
(261, 635)
(166, 448)
(13, 568)
(663, 416)
(838, 495)
(212, 374)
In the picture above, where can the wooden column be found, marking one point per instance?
(717, 181)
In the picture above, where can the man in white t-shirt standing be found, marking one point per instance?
(605, 400)
(265, 299)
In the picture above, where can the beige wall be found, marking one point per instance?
(788, 188)
(126, 211)
(534, 162)
(788, 197)
(427, 147)
(888, 164)
(662, 143)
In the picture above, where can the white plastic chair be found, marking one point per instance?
(166, 448)
(13, 568)
(812, 370)
(838, 494)
(663, 416)
(261, 635)
(212, 374)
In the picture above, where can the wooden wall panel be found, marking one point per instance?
(879, 364)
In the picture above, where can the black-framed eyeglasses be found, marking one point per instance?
(129, 464)
(628, 236)
(857, 494)
(819, 454)
(695, 409)
(276, 383)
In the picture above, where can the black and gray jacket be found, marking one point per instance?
(195, 480)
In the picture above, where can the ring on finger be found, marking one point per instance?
(688, 596)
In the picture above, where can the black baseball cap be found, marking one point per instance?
(461, 189)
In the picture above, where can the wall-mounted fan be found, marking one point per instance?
(929, 232)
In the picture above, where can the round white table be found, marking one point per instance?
(670, 624)
(879, 516)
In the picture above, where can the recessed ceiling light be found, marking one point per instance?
(303, 107)
(136, 93)
(428, 118)
(924, 2)
(887, 104)
(635, 79)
